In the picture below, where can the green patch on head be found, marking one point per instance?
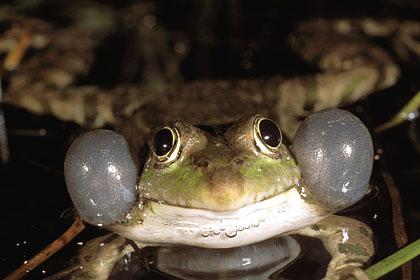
(187, 180)
(259, 167)
(173, 182)
(266, 172)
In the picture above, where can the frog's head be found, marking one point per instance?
(217, 172)
(218, 169)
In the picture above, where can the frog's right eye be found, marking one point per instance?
(267, 135)
(166, 145)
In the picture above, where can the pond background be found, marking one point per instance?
(226, 40)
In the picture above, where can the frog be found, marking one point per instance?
(224, 187)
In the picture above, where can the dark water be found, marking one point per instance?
(33, 192)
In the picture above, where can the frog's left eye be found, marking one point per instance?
(267, 135)
(166, 144)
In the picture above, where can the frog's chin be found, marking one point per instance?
(162, 224)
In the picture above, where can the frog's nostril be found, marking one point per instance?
(203, 163)
(238, 161)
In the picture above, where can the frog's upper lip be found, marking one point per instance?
(221, 194)
(179, 211)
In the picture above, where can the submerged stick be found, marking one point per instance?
(397, 220)
(48, 251)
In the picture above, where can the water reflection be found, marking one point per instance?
(256, 261)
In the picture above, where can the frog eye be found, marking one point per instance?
(101, 176)
(166, 145)
(267, 135)
(335, 153)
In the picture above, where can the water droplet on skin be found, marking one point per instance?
(231, 232)
(93, 202)
(205, 233)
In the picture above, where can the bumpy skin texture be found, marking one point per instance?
(101, 176)
(335, 152)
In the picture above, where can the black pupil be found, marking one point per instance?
(270, 133)
(162, 142)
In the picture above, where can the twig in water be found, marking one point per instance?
(47, 252)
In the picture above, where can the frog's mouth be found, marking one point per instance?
(224, 188)
(280, 201)
(167, 224)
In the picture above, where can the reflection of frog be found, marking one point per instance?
(256, 261)
(226, 187)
